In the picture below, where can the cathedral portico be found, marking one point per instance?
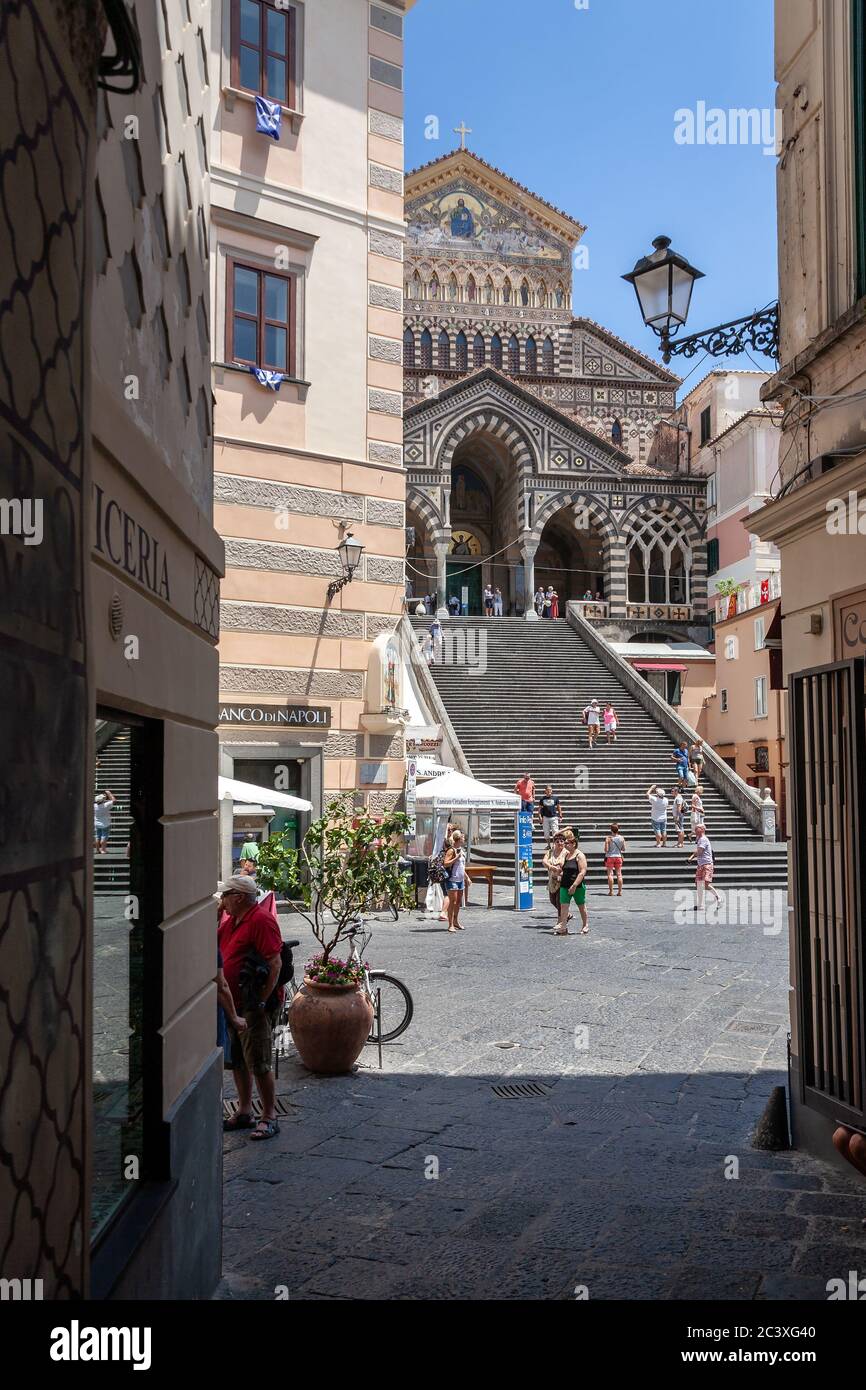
(527, 430)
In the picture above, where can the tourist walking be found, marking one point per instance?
(455, 863)
(611, 722)
(554, 858)
(497, 603)
(436, 638)
(427, 648)
(679, 812)
(592, 720)
(548, 599)
(246, 929)
(696, 758)
(680, 756)
(554, 604)
(525, 789)
(697, 810)
(549, 811)
(572, 887)
(539, 601)
(703, 855)
(103, 805)
(614, 849)
(659, 813)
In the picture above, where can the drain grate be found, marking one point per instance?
(742, 1025)
(281, 1105)
(521, 1090)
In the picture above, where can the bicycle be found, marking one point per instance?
(396, 1005)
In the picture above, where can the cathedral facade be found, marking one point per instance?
(527, 431)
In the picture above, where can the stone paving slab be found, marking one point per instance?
(418, 1182)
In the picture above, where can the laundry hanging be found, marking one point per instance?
(269, 117)
(274, 380)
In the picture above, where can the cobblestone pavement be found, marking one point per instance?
(614, 1179)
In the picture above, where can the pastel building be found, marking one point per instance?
(306, 238)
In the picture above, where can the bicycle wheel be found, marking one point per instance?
(396, 1005)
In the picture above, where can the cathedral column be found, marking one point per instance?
(441, 549)
(527, 552)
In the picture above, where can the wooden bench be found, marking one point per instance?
(476, 872)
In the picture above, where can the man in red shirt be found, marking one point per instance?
(245, 927)
(525, 789)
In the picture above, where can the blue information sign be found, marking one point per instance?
(523, 865)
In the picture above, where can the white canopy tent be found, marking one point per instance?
(455, 792)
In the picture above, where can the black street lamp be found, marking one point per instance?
(350, 552)
(663, 283)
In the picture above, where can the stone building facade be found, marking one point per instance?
(816, 518)
(527, 430)
(110, 1166)
(311, 222)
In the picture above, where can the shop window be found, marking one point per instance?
(263, 50)
(260, 318)
(127, 988)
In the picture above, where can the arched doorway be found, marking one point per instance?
(420, 558)
(571, 557)
(482, 525)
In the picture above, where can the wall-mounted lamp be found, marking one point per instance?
(350, 552)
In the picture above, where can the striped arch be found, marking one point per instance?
(694, 531)
(424, 507)
(488, 420)
(594, 508)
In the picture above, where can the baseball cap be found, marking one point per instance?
(238, 883)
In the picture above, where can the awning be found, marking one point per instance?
(250, 795)
(657, 666)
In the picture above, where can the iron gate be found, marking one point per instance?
(828, 786)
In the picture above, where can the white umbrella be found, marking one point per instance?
(250, 795)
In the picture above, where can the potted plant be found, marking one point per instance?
(347, 864)
(729, 588)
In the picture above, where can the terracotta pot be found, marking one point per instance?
(329, 1025)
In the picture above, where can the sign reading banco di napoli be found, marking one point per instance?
(307, 715)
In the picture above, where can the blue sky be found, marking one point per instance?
(578, 105)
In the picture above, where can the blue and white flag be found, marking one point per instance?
(272, 379)
(269, 117)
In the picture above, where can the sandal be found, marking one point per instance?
(238, 1121)
(266, 1129)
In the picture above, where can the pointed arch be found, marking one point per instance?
(471, 289)
(426, 348)
(588, 503)
(659, 557)
(616, 434)
(506, 291)
(479, 348)
(408, 348)
(513, 353)
(443, 350)
(453, 287)
(496, 351)
(434, 286)
(530, 360)
(524, 292)
(489, 291)
(491, 420)
(548, 357)
(461, 352)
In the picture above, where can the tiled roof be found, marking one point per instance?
(423, 168)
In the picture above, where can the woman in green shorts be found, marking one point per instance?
(572, 888)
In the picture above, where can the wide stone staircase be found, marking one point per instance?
(515, 707)
(111, 870)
